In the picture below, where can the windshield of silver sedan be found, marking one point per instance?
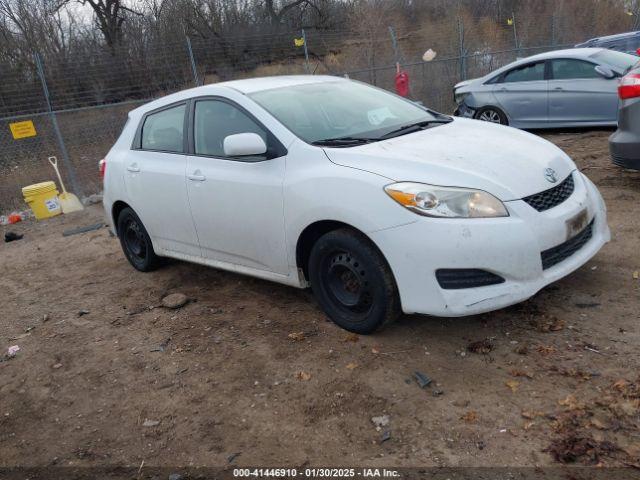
(345, 113)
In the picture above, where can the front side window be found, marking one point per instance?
(527, 73)
(340, 110)
(215, 120)
(570, 69)
(164, 130)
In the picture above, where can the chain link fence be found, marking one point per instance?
(78, 106)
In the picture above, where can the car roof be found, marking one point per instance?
(617, 36)
(581, 53)
(244, 86)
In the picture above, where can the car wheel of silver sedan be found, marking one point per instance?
(492, 115)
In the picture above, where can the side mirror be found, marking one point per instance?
(244, 145)
(605, 72)
(638, 52)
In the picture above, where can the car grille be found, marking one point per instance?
(457, 278)
(554, 196)
(561, 252)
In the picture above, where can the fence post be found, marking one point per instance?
(306, 52)
(461, 51)
(54, 121)
(394, 44)
(515, 32)
(192, 60)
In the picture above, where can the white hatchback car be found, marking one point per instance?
(380, 205)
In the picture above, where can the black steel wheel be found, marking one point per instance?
(352, 282)
(135, 241)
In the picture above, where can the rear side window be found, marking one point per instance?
(526, 73)
(164, 130)
(215, 120)
(569, 69)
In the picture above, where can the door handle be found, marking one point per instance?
(196, 177)
(559, 89)
(133, 168)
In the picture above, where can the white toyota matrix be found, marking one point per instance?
(380, 205)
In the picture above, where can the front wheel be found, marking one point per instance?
(492, 115)
(352, 282)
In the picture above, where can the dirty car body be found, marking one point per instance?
(564, 88)
(464, 216)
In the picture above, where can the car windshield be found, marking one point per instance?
(618, 60)
(345, 111)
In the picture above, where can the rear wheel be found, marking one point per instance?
(492, 115)
(352, 282)
(135, 242)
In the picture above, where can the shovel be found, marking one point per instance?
(68, 201)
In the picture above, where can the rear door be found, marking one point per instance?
(155, 180)
(577, 93)
(237, 203)
(522, 93)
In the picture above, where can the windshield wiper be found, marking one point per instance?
(343, 141)
(413, 127)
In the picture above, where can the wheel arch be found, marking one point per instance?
(116, 208)
(312, 232)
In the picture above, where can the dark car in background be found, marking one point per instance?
(624, 144)
(628, 42)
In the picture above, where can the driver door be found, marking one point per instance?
(577, 93)
(236, 202)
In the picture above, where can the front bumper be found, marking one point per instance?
(509, 247)
(464, 110)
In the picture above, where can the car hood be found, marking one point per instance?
(465, 83)
(503, 161)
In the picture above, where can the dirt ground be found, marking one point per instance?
(105, 376)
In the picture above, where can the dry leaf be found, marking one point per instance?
(528, 425)
(549, 323)
(470, 417)
(296, 336)
(352, 337)
(530, 415)
(545, 349)
(636, 275)
(304, 376)
(375, 351)
(599, 424)
(513, 385)
(352, 365)
(571, 403)
(520, 373)
(482, 346)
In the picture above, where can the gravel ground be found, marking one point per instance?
(251, 373)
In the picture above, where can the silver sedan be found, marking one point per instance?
(563, 88)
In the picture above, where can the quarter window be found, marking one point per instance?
(527, 73)
(215, 120)
(567, 69)
(164, 130)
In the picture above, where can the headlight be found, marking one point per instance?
(446, 202)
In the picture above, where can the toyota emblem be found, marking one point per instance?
(550, 175)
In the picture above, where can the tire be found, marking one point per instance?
(491, 115)
(352, 282)
(135, 241)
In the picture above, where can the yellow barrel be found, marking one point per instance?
(43, 199)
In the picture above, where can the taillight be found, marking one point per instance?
(629, 86)
(102, 167)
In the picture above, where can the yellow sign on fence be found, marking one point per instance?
(22, 129)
